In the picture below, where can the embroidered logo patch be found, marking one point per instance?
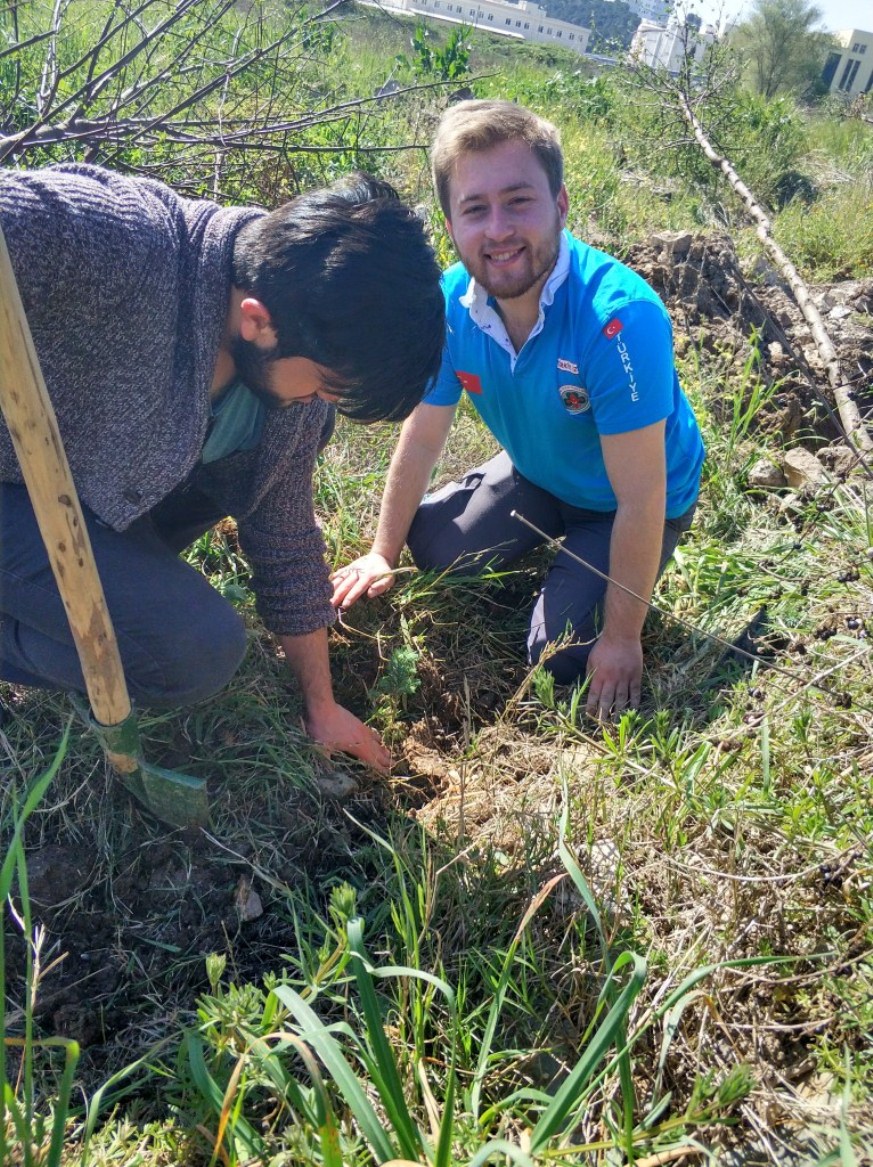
(470, 382)
(575, 398)
(567, 366)
(613, 328)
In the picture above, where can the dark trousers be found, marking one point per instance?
(179, 640)
(468, 525)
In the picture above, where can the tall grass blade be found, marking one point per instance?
(98, 1100)
(214, 1095)
(625, 1071)
(14, 859)
(315, 1032)
(501, 1147)
(62, 1102)
(385, 1075)
(500, 995)
(572, 1090)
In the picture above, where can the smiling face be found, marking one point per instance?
(504, 220)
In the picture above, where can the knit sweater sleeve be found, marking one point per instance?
(77, 226)
(282, 540)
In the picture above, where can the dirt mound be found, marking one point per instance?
(755, 321)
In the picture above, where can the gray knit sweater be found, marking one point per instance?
(126, 288)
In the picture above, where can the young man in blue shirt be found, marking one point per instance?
(567, 356)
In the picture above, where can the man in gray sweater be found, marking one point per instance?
(194, 354)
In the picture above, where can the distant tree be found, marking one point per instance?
(781, 48)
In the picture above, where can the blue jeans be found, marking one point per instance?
(179, 640)
(468, 525)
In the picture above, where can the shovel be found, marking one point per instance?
(171, 797)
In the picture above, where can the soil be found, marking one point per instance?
(131, 919)
(714, 306)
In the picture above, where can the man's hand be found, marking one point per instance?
(371, 575)
(616, 672)
(326, 722)
(335, 728)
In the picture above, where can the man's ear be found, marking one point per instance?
(563, 201)
(256, 324)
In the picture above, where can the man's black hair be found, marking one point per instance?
(351, 282)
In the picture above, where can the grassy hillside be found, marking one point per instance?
(541, 939)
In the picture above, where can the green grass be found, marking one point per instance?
(540, 939)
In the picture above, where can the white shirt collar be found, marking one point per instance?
(487, 318)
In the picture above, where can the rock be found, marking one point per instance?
(765, 476)
(776, 353)
(248, 903)
(841, 460)
(603, 866)
(336, 784)
(803, 469)
(675, 244)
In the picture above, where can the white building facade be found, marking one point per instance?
(522, 21)
(849, 69)
(663, 46)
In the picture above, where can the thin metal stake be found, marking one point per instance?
(559, 546)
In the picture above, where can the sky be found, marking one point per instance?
(837, 14)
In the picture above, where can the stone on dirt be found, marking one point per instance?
(803, 469)
(765, 476)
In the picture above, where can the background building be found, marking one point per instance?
(522, 21)
(663, 46)
(849, 69)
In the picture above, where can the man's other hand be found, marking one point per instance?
(335, 728)
(371, 575)
(616, 671)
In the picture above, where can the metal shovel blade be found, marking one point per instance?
(174, 798)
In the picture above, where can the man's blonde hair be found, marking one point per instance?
(473, 126)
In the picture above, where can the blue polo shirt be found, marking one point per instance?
(598, 361)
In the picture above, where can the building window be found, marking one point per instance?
(539, 28)
(849, 74)
(862, 49)
(526, 25)
(472, 11)
(508, 21)
(490, 15)
(830, 69)
(559, 32)
(518, 24)
(572, 36)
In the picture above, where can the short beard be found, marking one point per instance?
(253, 369)
(545, 262)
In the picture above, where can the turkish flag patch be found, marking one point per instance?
(613, 328)
(470, 382)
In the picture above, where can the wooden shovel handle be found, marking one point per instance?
(31, 419)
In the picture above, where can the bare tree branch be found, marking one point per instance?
(684, 95)
(850, 416)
